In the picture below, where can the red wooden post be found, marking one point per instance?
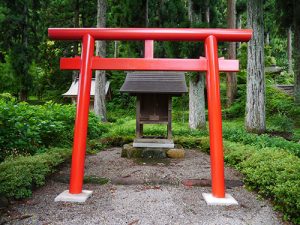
(81, 122)
(215, 117)
(149, 49)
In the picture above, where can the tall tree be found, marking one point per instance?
(100, 78)
(255, 105)
(289, 16)
(196, 89)
(231, 79)
(296, 25)
(241, 7)
(19, 37)
(76, 24)
(290, 50)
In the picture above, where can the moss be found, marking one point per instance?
(95, 180)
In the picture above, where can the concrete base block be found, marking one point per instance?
(211, 200)
(65, 196)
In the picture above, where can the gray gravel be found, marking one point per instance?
(142, 193)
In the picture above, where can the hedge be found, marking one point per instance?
(273, 173)
(29, 129)
(19, 176)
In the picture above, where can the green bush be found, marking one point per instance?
(273, 173)
(27, 129)
(279, 102)
(19, 176)
(283, 123)
(237, 109)
(232, 133)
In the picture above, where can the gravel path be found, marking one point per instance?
(143, 193)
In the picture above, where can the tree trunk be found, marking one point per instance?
(116, 49)
(147, 14)
(207, 12)
(100, 79)
(268, 38)
(290, 51)
(239, 26)
(25, 77)
(196, 91)
(76, 24)
(297, 51)
(231, 80)
(255, 105)
(197, 102)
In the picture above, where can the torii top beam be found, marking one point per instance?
(156, 34)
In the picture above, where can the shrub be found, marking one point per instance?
(273, 173)
(18, 176)
(26, 129)
(232, 133)
(282, 123)
(279, 102)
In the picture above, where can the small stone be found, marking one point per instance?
(176, 153)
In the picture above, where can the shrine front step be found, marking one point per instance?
(153, 143)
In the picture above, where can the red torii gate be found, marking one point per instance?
(209, 64)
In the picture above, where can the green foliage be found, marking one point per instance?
(7, 78)
(279, 102)
(273, 173)
(238, 107)
(234, 133)
(276, 175)
(269, 59)
(7, 97)
(282, 123)
(26, 129)
(193, 142)
(18, 176)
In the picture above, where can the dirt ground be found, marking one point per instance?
(143, 192)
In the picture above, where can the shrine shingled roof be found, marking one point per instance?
(155, 82)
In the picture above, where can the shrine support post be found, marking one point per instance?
(81, 121)
(215, 117)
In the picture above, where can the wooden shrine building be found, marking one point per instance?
(154, 91)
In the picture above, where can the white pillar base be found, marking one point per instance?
(66, 196)
(211, 200)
